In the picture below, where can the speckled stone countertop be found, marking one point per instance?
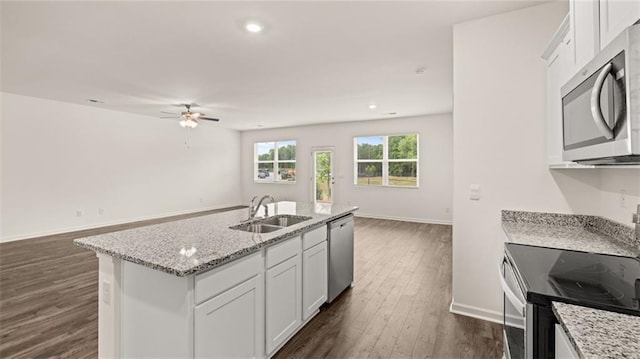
(598, 333)
(574, 232)
(188, 246)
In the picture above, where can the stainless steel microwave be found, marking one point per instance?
(601, 105)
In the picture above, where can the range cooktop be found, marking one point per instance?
(589, 279)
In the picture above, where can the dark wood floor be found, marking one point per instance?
(397, 309)
(399, 306)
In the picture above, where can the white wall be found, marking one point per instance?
(430, 203)
(499, 143)
(58, 158)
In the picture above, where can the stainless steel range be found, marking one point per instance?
(532, 277)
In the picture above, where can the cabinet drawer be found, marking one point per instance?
(282, 251)
(313, 237)
(220, 279)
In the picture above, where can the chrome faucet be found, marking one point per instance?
(254, 209)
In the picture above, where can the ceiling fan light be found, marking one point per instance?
(183, 123)
(192, 124)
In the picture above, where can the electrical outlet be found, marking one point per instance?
(106, 291)
(447, 210)
(101, 211)
(79, 213)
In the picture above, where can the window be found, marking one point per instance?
(386, 160)
(275, 161)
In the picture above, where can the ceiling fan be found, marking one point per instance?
(190, 119)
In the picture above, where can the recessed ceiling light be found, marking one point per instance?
(372, 106)
(421, 70)
(94, 101)
(392, 113)
(253, 27)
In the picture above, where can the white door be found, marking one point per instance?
(323, 177)
(284, 301)
(229, 325)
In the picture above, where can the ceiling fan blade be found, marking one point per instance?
(208, 119)
(169, 116)
(170, 113)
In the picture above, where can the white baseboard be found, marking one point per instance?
(108, 223)
(475, 312)
(404, 219)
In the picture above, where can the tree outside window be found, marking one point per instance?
(386, 160)
(275, 161)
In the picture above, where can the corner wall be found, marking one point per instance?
(60, 158)
(430, 203)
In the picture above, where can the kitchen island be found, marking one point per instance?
(198, 288)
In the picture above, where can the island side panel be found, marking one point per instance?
(109, 276)
(156, 313)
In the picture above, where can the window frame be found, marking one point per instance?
(386, 160)
(275, 161)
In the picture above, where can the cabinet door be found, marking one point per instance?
(584, 32)
(559, 71)
(231, 324)
(564, 348)
(615, 16)
(283, 301)
(314, 279)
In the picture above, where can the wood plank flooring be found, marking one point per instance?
(397, 309)
(399, 306)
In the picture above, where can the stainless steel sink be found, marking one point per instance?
(270, 224)
(256, 227)
(283, 220)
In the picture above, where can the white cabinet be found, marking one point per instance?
(314, 287)
(230, 324)
(229, 311)
(564, 348)
(560, 66)
(615, 16)
(584, 32)
(283, 292)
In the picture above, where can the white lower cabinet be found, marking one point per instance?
(283, 301)
(230, 324)
(564, 348)
(314, 282)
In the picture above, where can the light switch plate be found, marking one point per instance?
(474, 192)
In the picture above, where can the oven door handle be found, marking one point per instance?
(596, 109)
(513, 298)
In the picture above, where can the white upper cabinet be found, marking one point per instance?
(584, 31)
(615, 16)
(560, 64)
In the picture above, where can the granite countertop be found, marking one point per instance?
(188, 246)
(598, 333)
(573, 232)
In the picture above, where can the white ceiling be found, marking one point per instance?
(316, 62)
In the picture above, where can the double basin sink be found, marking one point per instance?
(270, 224)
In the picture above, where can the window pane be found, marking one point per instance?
(403, 174)
(265, 151)
(287, 171)
(369, 173)
(287, 151)
(403, 147)
(265, 172)
(370, 148)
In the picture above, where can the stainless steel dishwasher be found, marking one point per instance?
(340, 255)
